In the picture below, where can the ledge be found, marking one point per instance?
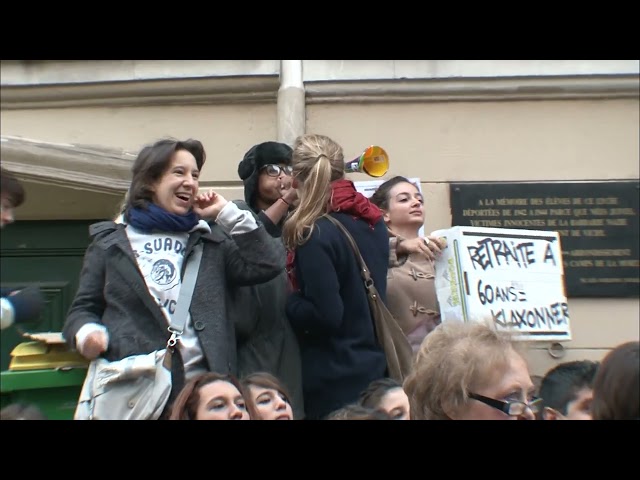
(213, 90)
(479, 89)
(264, 89)
(92, 168)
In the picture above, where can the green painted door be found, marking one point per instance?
(49, 253)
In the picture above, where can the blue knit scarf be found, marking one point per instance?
(157, 218)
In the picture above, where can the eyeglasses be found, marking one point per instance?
(510, 408)
(274, 170)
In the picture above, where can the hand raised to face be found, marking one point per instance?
(289, 193)
(208, 205)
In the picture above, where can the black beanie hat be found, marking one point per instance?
(256, 158)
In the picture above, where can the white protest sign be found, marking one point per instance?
(515, 277)
(368, 187)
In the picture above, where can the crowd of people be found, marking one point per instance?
(280, 326)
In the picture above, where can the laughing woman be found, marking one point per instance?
(411, 293)
(132, 271)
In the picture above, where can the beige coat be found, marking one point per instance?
(411, 294)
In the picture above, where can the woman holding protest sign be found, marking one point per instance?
(411, 294)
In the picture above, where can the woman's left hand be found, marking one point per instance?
(208, 205)
(428, 246)
(434, 245)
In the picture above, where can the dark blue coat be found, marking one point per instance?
(331, 315)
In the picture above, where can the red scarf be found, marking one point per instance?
(346, 199)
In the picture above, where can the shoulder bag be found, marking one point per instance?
(390, 336)
(137, 387)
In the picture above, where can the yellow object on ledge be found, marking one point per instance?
(40, 355)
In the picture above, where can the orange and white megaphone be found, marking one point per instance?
(374, 161)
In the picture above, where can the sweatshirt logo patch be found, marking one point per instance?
(163, 272)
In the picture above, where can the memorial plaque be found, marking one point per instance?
(597, 223)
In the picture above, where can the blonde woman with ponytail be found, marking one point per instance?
(328, 306)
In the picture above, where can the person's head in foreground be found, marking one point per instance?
(470, 371)
(358, 412)
(22, 411)
(567, 390)
(616, 389)
(212, 396)
(269, 395)
(387, 395)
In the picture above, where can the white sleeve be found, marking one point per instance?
(87, 329)
(7, 316)
(235, 220)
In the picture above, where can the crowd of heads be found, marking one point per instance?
(213, 396)
(463, 371)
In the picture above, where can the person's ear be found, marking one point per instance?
(551, 414)
(450, 411)
(385, 216)
(294, 183)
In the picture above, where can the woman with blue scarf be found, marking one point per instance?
(132, 271)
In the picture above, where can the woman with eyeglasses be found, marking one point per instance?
(265, 339)
(470, 371)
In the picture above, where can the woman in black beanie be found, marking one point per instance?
(265, 340)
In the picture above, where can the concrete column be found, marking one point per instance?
(291, 102)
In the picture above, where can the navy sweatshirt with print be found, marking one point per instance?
(331, 315)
